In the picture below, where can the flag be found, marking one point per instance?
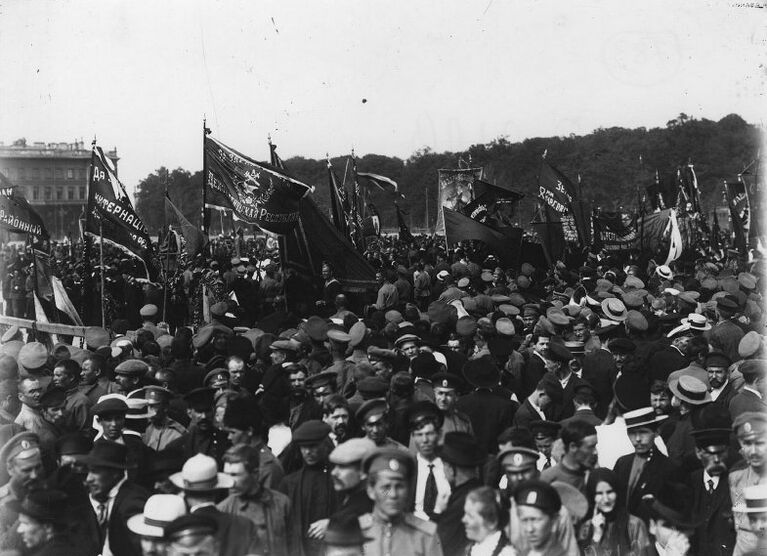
(355, 229)
(192, 234)
(548, 225)
(339, 202)
(371, 225)
(614, 231)
(493, 205)
(63, 303)
(740, 213)
(381, 182)
(561, 196)
(404, 231)
(675, 239)
(257, 193)
(43, 274)
(716, 235)
(456, 190)
(690, 184)
(459, 227)
(754, 184)
(17, 215)
(111, 215)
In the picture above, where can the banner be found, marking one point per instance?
(256, 192)
(192, 235)
(404, 231)
(615, 231)
(111, 214)
(561, 196)
(455, 191)
(506, 246)
(339, 202)
(740, 213)
(16, 215)
(493, 205)
(381, 182)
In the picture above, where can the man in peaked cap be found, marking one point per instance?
(162, 429)
(390, 527)
(373, 419)
(202, 437)
(751, 431)
(349, 480)
(22, 458)
(446, 387)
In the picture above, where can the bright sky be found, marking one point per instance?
(445, 74)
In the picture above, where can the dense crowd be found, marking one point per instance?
(460, 408)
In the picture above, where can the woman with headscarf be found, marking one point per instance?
(610, 530)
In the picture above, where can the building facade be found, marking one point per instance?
(53, 177)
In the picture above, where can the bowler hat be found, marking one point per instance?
(106, 453)
(481, 372)
(311, 432)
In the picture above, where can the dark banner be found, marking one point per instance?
(493, 205)
(256, 192)
(459, 227)
(615, 231)
(561, 196)
(456, 190)
(16, 215)
(111, 214)
(740, 213)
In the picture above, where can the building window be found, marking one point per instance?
(82, 192)
(47, 193)
(70, 173)
(35, 173)
(49, 173)
(71, 193)
(81, 174)
(59, 174)
(59, 193)
(35, 193)
(7, 172)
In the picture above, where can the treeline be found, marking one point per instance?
(614, 164)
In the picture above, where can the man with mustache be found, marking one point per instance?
(335, 413)
(711, 505)
(349, 478)
(202, 437)
(751, 429)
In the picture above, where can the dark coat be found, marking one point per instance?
(531, 376)
(716, 534)
(129, 501)
(564, 407)
(235, 532)
(525, 415)
(354, 503)
(489, 413)
(658, 473)
(599, 370)
(585, 415)
(665, 362)
(450, 529)
(726, 395)
(312, 497)
(196, 442)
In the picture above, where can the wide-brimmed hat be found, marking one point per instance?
(614, 309)
(482, 372)
(691, 390)
(48, 506)
(106, 453)
(200, 474)
(643, 418)
(678, 520)
(159, 511)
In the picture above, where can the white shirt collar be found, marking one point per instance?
(707, 478)
(715, 392)
(757, 392)
(487, 546)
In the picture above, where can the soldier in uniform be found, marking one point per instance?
(202, 437)
(23, 459)
(751, 430)
(755, 507)
(445, 396)
(373, 418)
(162, 430)
(391, 529)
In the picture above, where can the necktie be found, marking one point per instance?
(548, 463)
(102, 519)
(430, 492)
(710, 484)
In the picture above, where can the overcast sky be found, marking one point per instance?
(445, 74)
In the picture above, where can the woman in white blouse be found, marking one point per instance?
(484, 519)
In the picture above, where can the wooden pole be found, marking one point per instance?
(101, 272)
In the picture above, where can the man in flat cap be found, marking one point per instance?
(53, 409)
(22, 458)
(129, 374)
(310, 489)
(162, 429)
(268, 509)
(445, 396)
(111, 414)
(390, 527)
(349, 480)
(751, 431)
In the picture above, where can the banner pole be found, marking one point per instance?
(167, 253)
(101, 272)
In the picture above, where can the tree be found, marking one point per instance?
(184, 189)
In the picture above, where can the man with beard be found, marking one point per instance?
(580, 443)
(113, 498)
(66, 375)
(349, 480)
(711, 505)
(243, 424)
(201, 437)
(718, 369)
(751, 430)
(390, 528)
(310, 489)
(445, 396)
(430, 485)
(462, 457)
(161, 430)
(248, 497)
(335, 413)
(23, 460)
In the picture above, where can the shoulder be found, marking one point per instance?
(366, 521)
(426, 527)
(5, 491)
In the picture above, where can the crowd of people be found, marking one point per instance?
(460, 409)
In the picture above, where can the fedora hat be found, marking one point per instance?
(614, 309)
(106, 453)
(159, 511)
(200, 474)
(691, 390)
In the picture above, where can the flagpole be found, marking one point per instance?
(101, 272)
(167, 254)
(205, 132)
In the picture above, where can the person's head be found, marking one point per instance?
(409, 348)
(24, 462)
(201, 408)
(347, 460)
(538, 505)
(544, 434)
(158, 402)
(660, 398)
(322, 386)
(390, 472)
(66, 374)
(128, 374)
(641, 428)
(541, 344)
(335, 412)
(713, 454)
(41, 517)
(529, 318)
(755, 507)
(580, 330)
(372, 417)
(53, 406)
(542, 394)
(751, 430)
(425, 434)
(30, 391)
(445, 391)
(110, 414)
(602, 491)
(483, 514)
(236, 367)
(311, 437)
(192, 535)
(91, 369)
(101, 479)
(668, 531)
(519, 464)
(327, 272)
(717, 368)
(296, 377)
(580, 442)
(241, 464)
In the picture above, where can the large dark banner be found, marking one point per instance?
(16, 215)
(562, 198)
(256, 192)
(111, 214)
(493, 205)
(615, 231)
(740, 213)
(505, 244)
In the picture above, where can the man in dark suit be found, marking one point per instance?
(599, 370)
(113, 498)
(668, 359)
(717, 368)
(709, 490)
(584, 402)
(750, 397)
(563, 380)
(536, 364)
(201, 483)
(646, 471)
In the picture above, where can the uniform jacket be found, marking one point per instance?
(716, 534)
(409, 535)
(270, 513)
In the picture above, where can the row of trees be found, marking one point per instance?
(614, 165)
